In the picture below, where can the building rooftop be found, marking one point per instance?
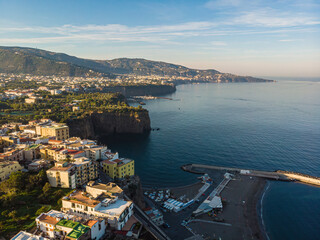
(82, 198)
(33, 146)
(117, 161)
(58, 214)
(67, 223)
(22, 235)
(115, 208)
(52, 141)
(90, 223)
(8, 163)
(58, 168)
(78, 228)
(47, 219)
(56, 126)
(109, 187)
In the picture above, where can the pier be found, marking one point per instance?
(276, 175)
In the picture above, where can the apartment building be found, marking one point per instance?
(72, 175)
(118, 168)
(12, 154)
(59, 131)
(9, 140)
(62, 175)
(8, 167)
(31, 152)
(117, 211)
(97, 152)
(86, 170)
(60, 154)
(92, 150)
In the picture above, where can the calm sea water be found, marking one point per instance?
(265, 126)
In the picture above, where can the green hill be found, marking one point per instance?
(41, 62)
(22, 62)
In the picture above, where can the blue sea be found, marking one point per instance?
(265, 126)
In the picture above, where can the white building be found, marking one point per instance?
(62, 175)
(22, 235)
(98, 228)
(116, 211)
(47, 223)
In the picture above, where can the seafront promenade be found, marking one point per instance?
(277, 175)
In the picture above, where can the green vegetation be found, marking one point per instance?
(21, 83)
(12, 61)
(41, 62)
(23, 197)
(59, 107)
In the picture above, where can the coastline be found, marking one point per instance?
(242, 206)
(255, 221)
(260, 211)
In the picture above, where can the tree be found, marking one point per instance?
(15, 183)
(41, 210)
(12, 214)
(46, 189)
(5, 213)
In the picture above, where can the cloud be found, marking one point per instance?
(262, 21)
(271, 18)
(214, 4)
(288, 40)
(218, 43)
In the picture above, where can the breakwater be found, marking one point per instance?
(276, 175)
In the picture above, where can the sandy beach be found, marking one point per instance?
(239, 218)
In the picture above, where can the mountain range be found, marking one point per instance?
(41, 62)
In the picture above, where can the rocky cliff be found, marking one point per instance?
(109, 123)
(143, 90)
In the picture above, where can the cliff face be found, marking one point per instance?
(98, 124)
(153, 90)
(133, 189)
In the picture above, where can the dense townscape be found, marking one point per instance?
(71, 163)
(57, 84)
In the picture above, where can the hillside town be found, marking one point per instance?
(93, 210)
(12, 87)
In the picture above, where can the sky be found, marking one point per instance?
(245, 37)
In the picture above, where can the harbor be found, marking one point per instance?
(224, 204)
(276, 175)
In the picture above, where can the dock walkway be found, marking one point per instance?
(278, 175)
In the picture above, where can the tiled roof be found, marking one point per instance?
(48, 219)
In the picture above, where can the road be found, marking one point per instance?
(149, 225)
(138, 213)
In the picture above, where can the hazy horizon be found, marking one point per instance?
(256, 38)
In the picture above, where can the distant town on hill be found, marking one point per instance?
(20, 60)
